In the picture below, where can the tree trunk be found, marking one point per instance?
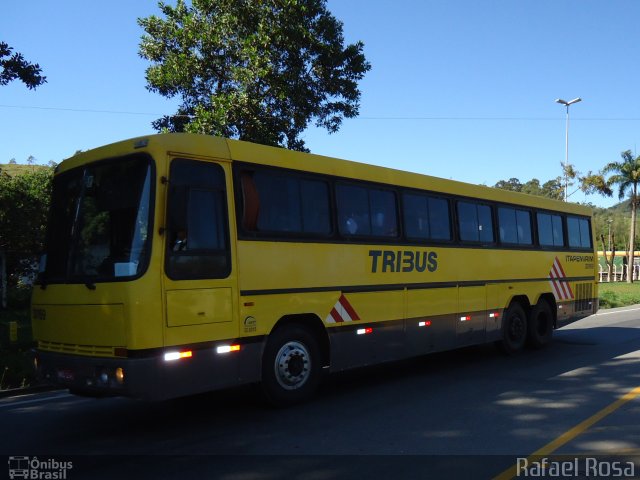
(625, 258)
(632, 234)
(609, 260)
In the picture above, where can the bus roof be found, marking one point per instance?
(235, 150)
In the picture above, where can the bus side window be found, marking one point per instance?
(364, 211)
(285, 204)
(515, 226)
(439, 219)
(416, 216)
(251, 201)
(475, 222)
(426, 217)
(550, 230)
(353, 210)
(579, 232)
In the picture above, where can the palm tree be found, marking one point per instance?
(626, 175)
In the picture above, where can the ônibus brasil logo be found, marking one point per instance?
(33, 468)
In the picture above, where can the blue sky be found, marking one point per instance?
(458, 89)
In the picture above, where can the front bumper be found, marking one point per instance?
(151, 377)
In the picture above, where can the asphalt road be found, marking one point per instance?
(469, 412)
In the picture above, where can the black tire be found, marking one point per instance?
(540, 330)
(514, 329)
(290, 366)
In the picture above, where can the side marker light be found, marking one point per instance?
(228, 348)
(364, 331)
(168, 357)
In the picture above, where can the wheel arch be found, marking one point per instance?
(522, 300)
(313, 323)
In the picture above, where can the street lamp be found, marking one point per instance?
(566, 154)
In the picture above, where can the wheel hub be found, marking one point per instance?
(517, 328)
(292, 365)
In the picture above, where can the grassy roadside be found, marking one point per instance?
(619, 294)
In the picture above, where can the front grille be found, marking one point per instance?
(88, 350)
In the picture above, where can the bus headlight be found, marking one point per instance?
(120, 375)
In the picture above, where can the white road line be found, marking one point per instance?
(618, 311)
(19, 403)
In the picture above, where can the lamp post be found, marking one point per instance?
(566, 152)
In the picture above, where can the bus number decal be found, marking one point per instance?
(403, 261)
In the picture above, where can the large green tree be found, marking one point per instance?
(553, 189)
(626, 176)
(513, 185)
(257, 70)
(550, 189)
(13, 66)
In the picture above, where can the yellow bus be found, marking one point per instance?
(181, 263)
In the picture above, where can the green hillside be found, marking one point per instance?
(14, 169)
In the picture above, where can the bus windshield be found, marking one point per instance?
(99, 225)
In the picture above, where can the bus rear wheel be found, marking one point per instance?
(290, 366)
(540, 329)
(514, 329)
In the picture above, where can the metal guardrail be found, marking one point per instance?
(618, 273)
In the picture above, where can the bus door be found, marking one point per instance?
(472, 314)
(199, 280)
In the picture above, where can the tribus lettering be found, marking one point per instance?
(402, 261)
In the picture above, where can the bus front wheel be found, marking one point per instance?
(290, 366)
(514, 329)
